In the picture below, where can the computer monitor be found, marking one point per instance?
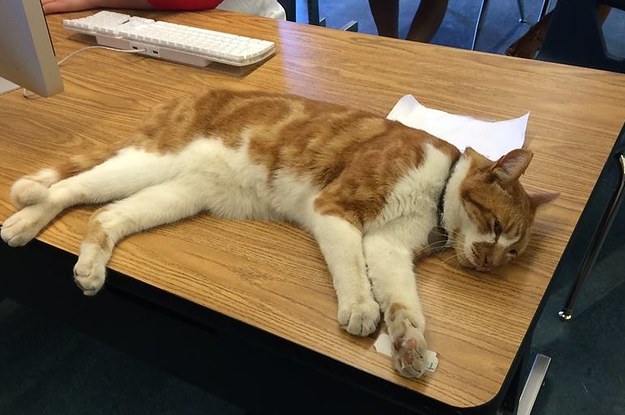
(26, 53)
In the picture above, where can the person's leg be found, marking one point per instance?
(528, 45)
(386, 16)
(427, 20)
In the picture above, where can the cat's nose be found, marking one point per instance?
(484, 263)
(481, 258)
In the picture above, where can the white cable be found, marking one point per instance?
(62, 61)
(30, 95)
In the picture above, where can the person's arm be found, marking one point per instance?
(60, 6)
(184, 4)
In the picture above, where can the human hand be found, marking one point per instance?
(60, 6)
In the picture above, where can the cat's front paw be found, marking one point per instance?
(359, 318)
(409, 353)
(89, 274)
(23, 226)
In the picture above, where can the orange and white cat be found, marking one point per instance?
(368, 189)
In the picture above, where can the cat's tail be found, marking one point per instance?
(35, 188)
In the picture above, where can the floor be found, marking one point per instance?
(48, 368)
(501, 24)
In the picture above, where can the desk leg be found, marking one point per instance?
(597, 242)
(533, 384)
(511, 400)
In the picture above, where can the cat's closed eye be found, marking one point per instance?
(497, 227)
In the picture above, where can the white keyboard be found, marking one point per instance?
(174, 42)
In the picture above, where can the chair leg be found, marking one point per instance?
(351, 26)
(314, 19)
(313, 13)
(521, 7)
(478, 26)
(544, 9)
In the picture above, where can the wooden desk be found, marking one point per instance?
(272, 276)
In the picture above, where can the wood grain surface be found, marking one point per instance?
(272, 275)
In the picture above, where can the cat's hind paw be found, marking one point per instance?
(89, 274)
(360, 318)
(27, 192)
(23, 226)
(409, 353)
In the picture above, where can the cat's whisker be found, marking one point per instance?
(446, 235)
(452, 257)
(426, 248)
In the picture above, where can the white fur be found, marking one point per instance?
(403, 228)
(149, 189)
(455, 216)
(506, 241)
(90, 270)
(341, 244)
(418, 191)
(390, 244)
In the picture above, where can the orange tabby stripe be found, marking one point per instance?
(356, 157)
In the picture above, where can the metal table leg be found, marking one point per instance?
(593, 252)
(533, 384)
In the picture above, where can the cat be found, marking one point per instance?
(373, 193)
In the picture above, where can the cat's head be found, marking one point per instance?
(488, 214)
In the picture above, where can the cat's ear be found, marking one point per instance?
(539, 199)
(511, 166)
(477, 157)
(471, 153)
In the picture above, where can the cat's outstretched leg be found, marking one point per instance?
(389, 256)
(34, 188)
(45, 194)
(31, 194)
(153, 206)
(341, 245)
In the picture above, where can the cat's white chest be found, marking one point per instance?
(231, 185)
(235, 187)
(417, 193)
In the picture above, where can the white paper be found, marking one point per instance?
(491, 139)
(383, 345)
(6, 86)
